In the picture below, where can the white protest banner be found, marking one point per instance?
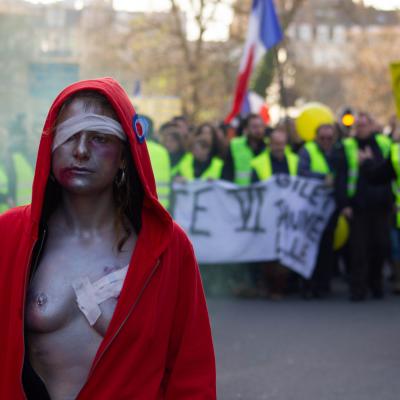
(280, 219)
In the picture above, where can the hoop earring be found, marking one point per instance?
(120, 181)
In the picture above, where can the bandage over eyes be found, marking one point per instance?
(90, 295)
(87, 122)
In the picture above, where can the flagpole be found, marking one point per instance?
(282, 89)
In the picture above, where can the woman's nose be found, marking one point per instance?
(81, 150)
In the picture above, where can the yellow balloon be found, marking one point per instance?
(342, 233)
(312, 116)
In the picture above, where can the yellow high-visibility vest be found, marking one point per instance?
(242, 155)
(351, 152)
(186, 168)
(395, 159)
(161, 165)
(318, 163)
(3, 188)
(263, 166)
(24, 179)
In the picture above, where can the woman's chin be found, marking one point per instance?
(80, 188)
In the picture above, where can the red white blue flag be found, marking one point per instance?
(263, 33)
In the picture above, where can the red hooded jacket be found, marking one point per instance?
(158, 344)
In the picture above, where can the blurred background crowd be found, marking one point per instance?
(351, 153)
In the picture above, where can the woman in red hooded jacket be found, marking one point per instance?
(101, 293)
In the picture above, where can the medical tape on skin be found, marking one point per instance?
(87, 122)
(90, 295)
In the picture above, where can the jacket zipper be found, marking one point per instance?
(28, 271)
(122, 324)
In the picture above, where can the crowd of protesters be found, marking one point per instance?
(360, 163)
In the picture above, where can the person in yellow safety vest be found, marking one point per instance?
(172, 140)
(366, 206)
(317, 162)
(5, 200)
(385, 173)
(161, 165)
(4, 194)
(277, 159)
(18, 164)
(243, 149)
(21, 177)
(203, 162)
(184, 130)
(160, 162)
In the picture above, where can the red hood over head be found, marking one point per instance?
(125, 111)
(158, 343)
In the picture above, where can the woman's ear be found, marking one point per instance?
(122, 162)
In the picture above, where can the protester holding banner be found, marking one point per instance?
(316, 161)
(243, 149)
(277, 159)
(367, 206)
(203, 162)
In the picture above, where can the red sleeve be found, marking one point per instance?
(191, 361)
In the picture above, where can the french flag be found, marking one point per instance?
(254, 103)
(263, 33)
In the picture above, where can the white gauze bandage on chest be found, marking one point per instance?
(87, 122)
(90, 295)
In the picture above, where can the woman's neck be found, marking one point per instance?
(86, 213)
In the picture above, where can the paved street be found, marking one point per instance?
(315, 350)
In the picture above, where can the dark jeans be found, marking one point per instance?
(276, 276)
(369, 245)
(320, 282)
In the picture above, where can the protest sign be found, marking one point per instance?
(280, 219)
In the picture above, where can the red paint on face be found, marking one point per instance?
(65, 176)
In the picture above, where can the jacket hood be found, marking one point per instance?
(158, 343)
(127, 116)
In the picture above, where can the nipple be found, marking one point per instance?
(41, 299)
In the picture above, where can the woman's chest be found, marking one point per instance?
(74, 283)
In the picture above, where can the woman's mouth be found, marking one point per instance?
(78, 171)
